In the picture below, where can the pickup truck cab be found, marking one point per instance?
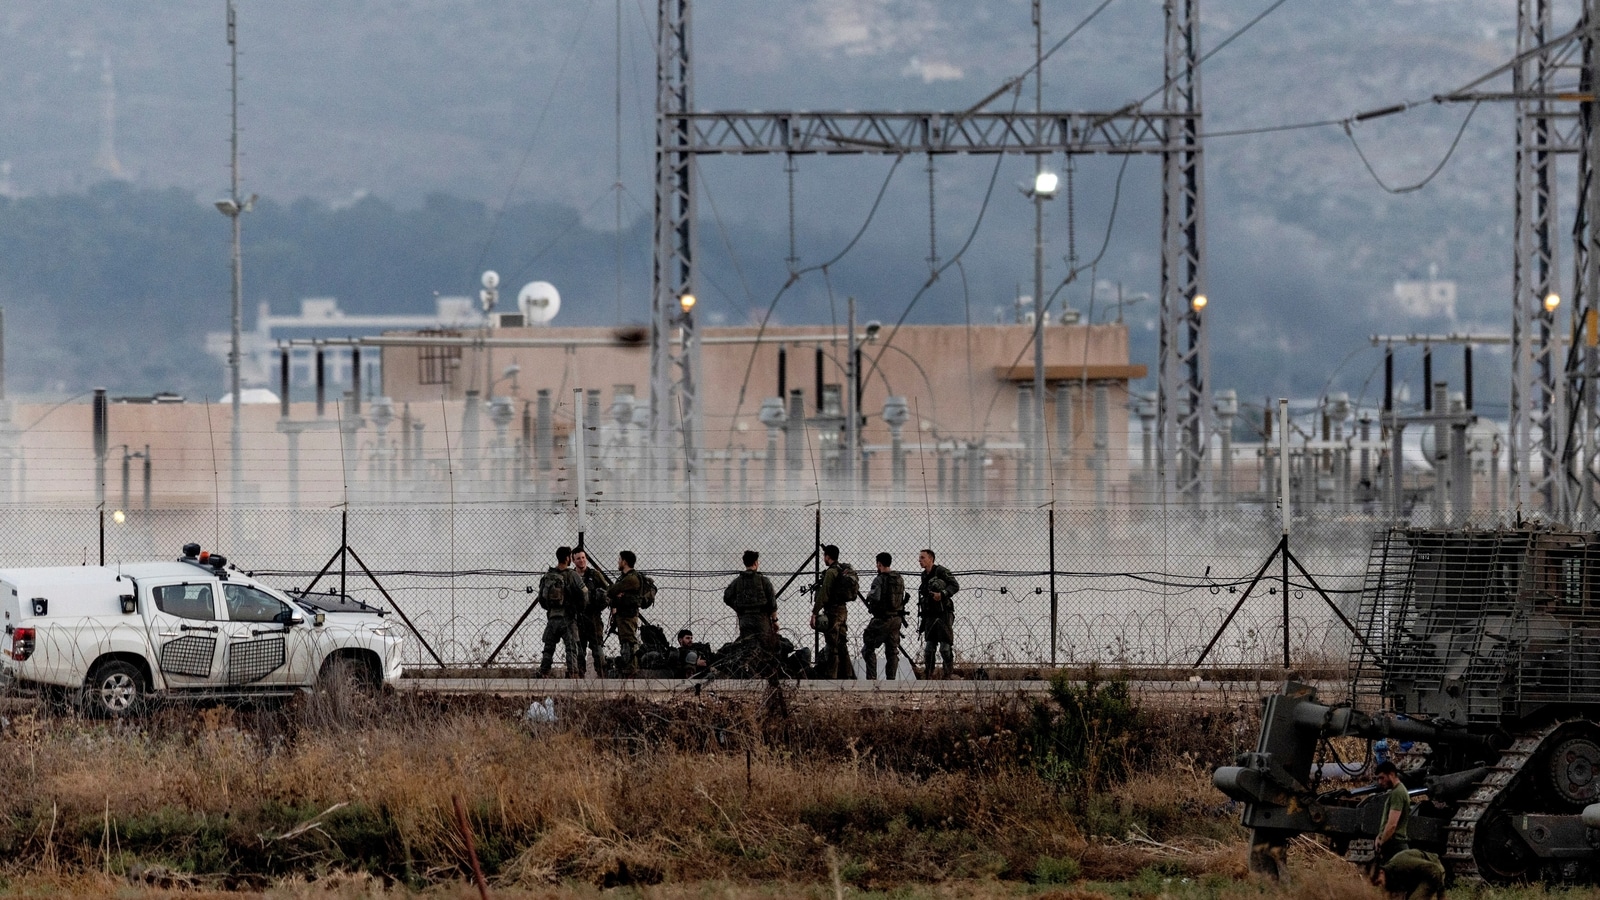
(196, 627)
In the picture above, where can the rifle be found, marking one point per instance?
(913, 663)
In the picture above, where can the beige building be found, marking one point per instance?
(964, 393)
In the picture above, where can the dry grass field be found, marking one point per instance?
(1083, 795)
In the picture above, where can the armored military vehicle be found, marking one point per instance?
(1481, 649)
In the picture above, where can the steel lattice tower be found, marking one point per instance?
(1184, 401)
(1174, 132)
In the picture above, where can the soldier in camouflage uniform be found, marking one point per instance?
(830, 616)
(560, 593)
(886, 601)
(591, 628)
(624, 598)
(936, 614)
(751, 597)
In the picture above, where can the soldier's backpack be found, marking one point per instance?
(846, 585)
(553, 591)
(894, 593)
(647, 591)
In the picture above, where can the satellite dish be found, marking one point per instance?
(539, 302)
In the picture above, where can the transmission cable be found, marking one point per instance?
(1016, 81)
(1406, 189)
(722, 232)
(1071, 276)
(494, 224)
(933, 278)
(1237, 32)
(796, 275)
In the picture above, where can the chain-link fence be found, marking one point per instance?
(1038, 587)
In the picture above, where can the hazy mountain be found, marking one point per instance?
(511, 109)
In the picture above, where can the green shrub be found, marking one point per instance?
(1083, 737)
(1056, 870)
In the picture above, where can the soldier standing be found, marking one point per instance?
(830, 615)
(751, 597)
(624, 597)
(936, 614)
(559, 595)
(886, 601)
(591, 630)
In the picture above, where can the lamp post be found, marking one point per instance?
(1043, 188)
(691, 352)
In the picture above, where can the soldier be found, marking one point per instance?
(936, 614)
(886, 601)
(1414, 875)
(691, 657)
(559, 595)
(830, 615)
(591, 630)
(625, 597)
(1392, 833)
(751, 597)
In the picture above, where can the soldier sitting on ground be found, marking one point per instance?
(690, 658)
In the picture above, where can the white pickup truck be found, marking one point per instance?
(196, 627)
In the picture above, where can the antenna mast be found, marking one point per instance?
(232, 208)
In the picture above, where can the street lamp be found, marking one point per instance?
(1043, 188)
(1199, 302)
(1551, 301)
(488, 297)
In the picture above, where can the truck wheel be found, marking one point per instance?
(343, 674)
(115, 689)
(345, 692)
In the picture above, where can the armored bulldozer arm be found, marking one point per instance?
(1274, 782)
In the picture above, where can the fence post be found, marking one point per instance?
(816, 578)
(1053, 600)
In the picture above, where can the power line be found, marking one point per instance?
(795, 276)
(1430, 176)
(555, 85)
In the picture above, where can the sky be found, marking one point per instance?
(507, 103)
